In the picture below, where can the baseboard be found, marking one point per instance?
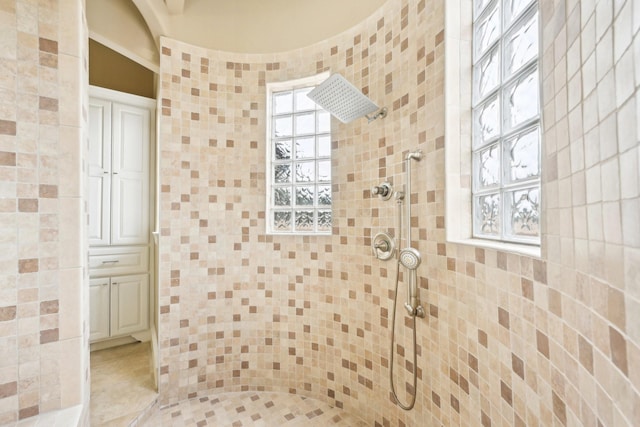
(142, 336)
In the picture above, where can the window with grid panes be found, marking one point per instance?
(506, 121)
(299, 164)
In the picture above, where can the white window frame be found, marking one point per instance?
(458, 132)
(273, 88)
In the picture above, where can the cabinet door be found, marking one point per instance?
(130, 175)
(129, 304)
(99, 308)
(99, 172)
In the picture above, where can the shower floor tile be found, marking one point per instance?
(252, 409)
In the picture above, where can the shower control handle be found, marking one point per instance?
(380, 190)
(383, 246)
(383, 191)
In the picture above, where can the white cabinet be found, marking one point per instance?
(120, 132)
(119, 305)
(99, 172)
(118, 173)
(129, 304)
(119, 290)
(99, 308)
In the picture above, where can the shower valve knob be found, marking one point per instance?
(383, 191)
(378, 190)
(383, 246)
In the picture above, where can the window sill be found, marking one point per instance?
(271, 233)
(532, 251)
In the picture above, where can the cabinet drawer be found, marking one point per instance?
(114, 261)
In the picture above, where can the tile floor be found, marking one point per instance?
(121, 384)
(252, 409)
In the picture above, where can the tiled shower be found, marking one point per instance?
(507, 339)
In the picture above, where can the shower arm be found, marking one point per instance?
(381, 114)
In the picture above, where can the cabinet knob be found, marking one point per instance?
(114, 283)
(111, 262)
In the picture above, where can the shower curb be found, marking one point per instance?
(145, 414)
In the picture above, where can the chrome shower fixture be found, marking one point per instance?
(410, 258)
(384, 190)
(344, 101)
(416, 155)
(384, 247)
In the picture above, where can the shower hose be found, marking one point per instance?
(412, 274)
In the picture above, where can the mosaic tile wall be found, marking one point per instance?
(43, 349)
(508, 339)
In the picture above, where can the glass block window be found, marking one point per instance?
(299, 163)
(506, 121)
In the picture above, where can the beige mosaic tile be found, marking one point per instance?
(266, 409)
(36, 376)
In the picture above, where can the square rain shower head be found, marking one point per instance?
(342, 99)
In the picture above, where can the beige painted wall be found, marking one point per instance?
(119, 25)
(109, 69)
(248, 26)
